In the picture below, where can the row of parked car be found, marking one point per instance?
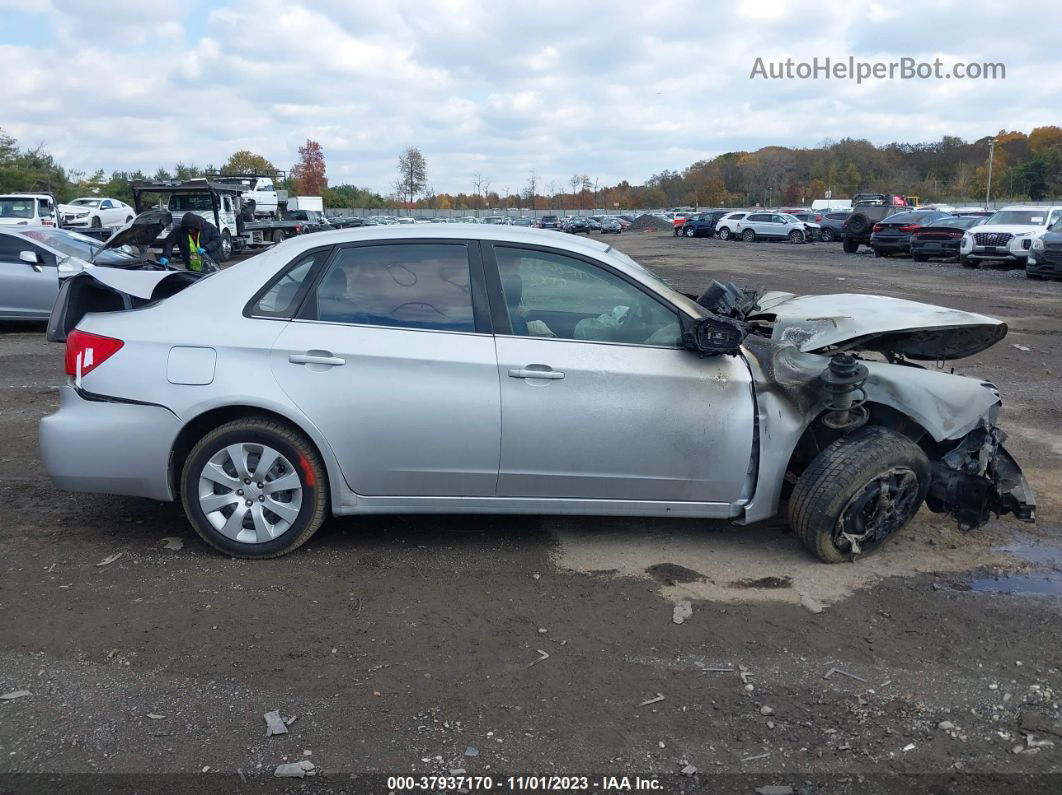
(1028, 236)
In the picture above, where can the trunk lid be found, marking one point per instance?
(111, 290)
(855, 322)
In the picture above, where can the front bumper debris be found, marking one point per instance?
(978, 478)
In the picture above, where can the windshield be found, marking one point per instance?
(75, 245)
(1019, 217)
(85, 202)
(16, 208)
(196, 202)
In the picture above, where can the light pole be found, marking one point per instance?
(988, 186)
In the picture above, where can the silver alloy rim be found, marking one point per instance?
(250, 493)
(226, 246)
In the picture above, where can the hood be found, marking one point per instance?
(854, 322)
(1012, 229)
(142, 230)
(73, 208)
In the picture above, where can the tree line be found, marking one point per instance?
(1024, 167)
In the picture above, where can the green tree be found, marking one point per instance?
(247, 162)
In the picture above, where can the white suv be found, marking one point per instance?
(1008, 235)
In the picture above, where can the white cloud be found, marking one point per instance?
(618, 92)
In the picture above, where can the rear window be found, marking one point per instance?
(283, 296)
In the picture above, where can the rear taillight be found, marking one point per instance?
(910, 228)
(85, 352)
(878, 227)
(818, 219)
(298, 228)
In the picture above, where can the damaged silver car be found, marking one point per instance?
(493, 369)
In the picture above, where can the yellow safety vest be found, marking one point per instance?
(194, 261)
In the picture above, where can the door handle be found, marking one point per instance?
(322, 358)
(536, 371)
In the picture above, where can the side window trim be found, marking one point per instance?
(481, 314)
(499, 310)
(304, 288)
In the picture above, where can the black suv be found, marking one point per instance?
(701, 224)
(867, 210)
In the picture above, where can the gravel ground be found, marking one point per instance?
(404, 645)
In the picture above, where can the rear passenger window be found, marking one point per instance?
(418, 286)
(281, 299)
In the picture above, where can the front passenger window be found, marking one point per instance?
(553, 295)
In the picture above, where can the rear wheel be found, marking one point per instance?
(748, 235)
(96, 222)
(226, 245)
(724, 233)
(255, 488)
(859, 491)
(689, 231)
(850, 246)
(826, 235)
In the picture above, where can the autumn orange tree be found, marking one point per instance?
(308, 175)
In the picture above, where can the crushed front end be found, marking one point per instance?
(977, 478)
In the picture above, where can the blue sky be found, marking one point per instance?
(617, 92)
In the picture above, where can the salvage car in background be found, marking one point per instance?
(831, 227)
(1008, 235)
(367, 371)
(940, 239)
(35, 259)
(95, 212)
(892, 235)
(702, 224)
(1045, 255)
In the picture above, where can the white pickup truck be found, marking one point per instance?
(257, 192)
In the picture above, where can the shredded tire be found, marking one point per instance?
(839, 473)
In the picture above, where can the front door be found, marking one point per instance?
(391, 361)
(26, 290)
(598, 398)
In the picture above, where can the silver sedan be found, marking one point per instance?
(493, 369)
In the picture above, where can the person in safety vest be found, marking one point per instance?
(194, 237)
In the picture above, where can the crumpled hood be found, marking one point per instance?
(850, 321)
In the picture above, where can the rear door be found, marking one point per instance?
(599, 400)
(391, 356)
(26, 290)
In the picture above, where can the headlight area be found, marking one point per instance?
(978, 478)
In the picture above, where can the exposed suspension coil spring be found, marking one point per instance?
(843, 384)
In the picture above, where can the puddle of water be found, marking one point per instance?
(1044, 583)
(1045, 580)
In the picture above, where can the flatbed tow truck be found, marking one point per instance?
(219, 203)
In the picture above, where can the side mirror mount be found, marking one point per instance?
(715, 335)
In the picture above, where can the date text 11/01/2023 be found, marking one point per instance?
(467, 783)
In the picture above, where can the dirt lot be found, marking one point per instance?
(405, 645)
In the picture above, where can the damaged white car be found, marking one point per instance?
(493, 369)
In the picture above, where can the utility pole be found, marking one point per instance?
(988, 186)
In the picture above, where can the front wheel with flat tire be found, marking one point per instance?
(255, 488)
(858, 492)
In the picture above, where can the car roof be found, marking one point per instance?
(1030, 207)
(24, 196)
